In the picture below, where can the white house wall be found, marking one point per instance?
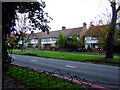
(90, 41)
(50, 41)
(34, 41)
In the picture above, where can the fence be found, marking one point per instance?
(19, 76)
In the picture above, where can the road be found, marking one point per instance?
(93, 72)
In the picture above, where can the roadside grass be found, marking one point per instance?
(72, 57)
(35, 79)
(91, 53)
(59, 55)
(84, 53)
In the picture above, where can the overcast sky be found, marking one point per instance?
(73, 13)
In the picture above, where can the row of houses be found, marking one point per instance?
(88, 36)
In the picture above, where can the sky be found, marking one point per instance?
(73, 13)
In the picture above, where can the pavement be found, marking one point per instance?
(9, 83)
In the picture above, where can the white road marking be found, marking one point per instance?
(13, 57)
(33, 60)
(70, 66)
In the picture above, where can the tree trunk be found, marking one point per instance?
(110, 37)
(22, 41)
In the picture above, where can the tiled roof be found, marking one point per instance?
(67, 32)
(34, 35)
(97, 30)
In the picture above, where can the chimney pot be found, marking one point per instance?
(63, 27)
(84, 24)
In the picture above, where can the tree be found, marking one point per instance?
(69, 42)
(61, 40)
(76, 43)
(29, 44)
(110, 37)
(99, 32)
(9, 10)
(99, 27)
(13, 41)
(104, 28)
(23, 26)
(117, 39)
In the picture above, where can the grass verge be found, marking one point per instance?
(72, 57)
(34, 79)
(91, 53)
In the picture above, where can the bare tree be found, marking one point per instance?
(110, 37)
(100, 26)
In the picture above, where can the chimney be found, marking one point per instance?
(91, 24)
(84, 24)
(63, 28)
(32, 32)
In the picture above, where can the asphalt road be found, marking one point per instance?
(94, 72)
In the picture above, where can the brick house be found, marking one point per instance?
(95, 36)
(33, 38)
(50, 39)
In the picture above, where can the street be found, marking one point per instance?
(93, 72)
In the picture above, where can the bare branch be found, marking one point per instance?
(118, 9)
(109, 0)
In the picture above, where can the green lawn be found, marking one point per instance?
(59, 55)
(115, 54)
(68, 56)
(34, 79)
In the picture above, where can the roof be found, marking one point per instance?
(66, 32)
(34, 35)
(97, 30)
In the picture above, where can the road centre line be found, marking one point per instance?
(33, 60)
(70, 66)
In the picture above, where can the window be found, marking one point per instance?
(96, 46)
(42, 45)
(50, 39)
(32, 40)
(87, 38)
(94, 38)
(36, 41)
(43, 40)
(53, 39)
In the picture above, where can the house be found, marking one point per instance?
(50, 39)
(95, 36)
(33, 38)
(47, 40)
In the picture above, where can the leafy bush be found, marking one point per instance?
(61, 40)
(70, 43)
(29, 45)
(103, 45)
(51, 48)
(82, 50)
